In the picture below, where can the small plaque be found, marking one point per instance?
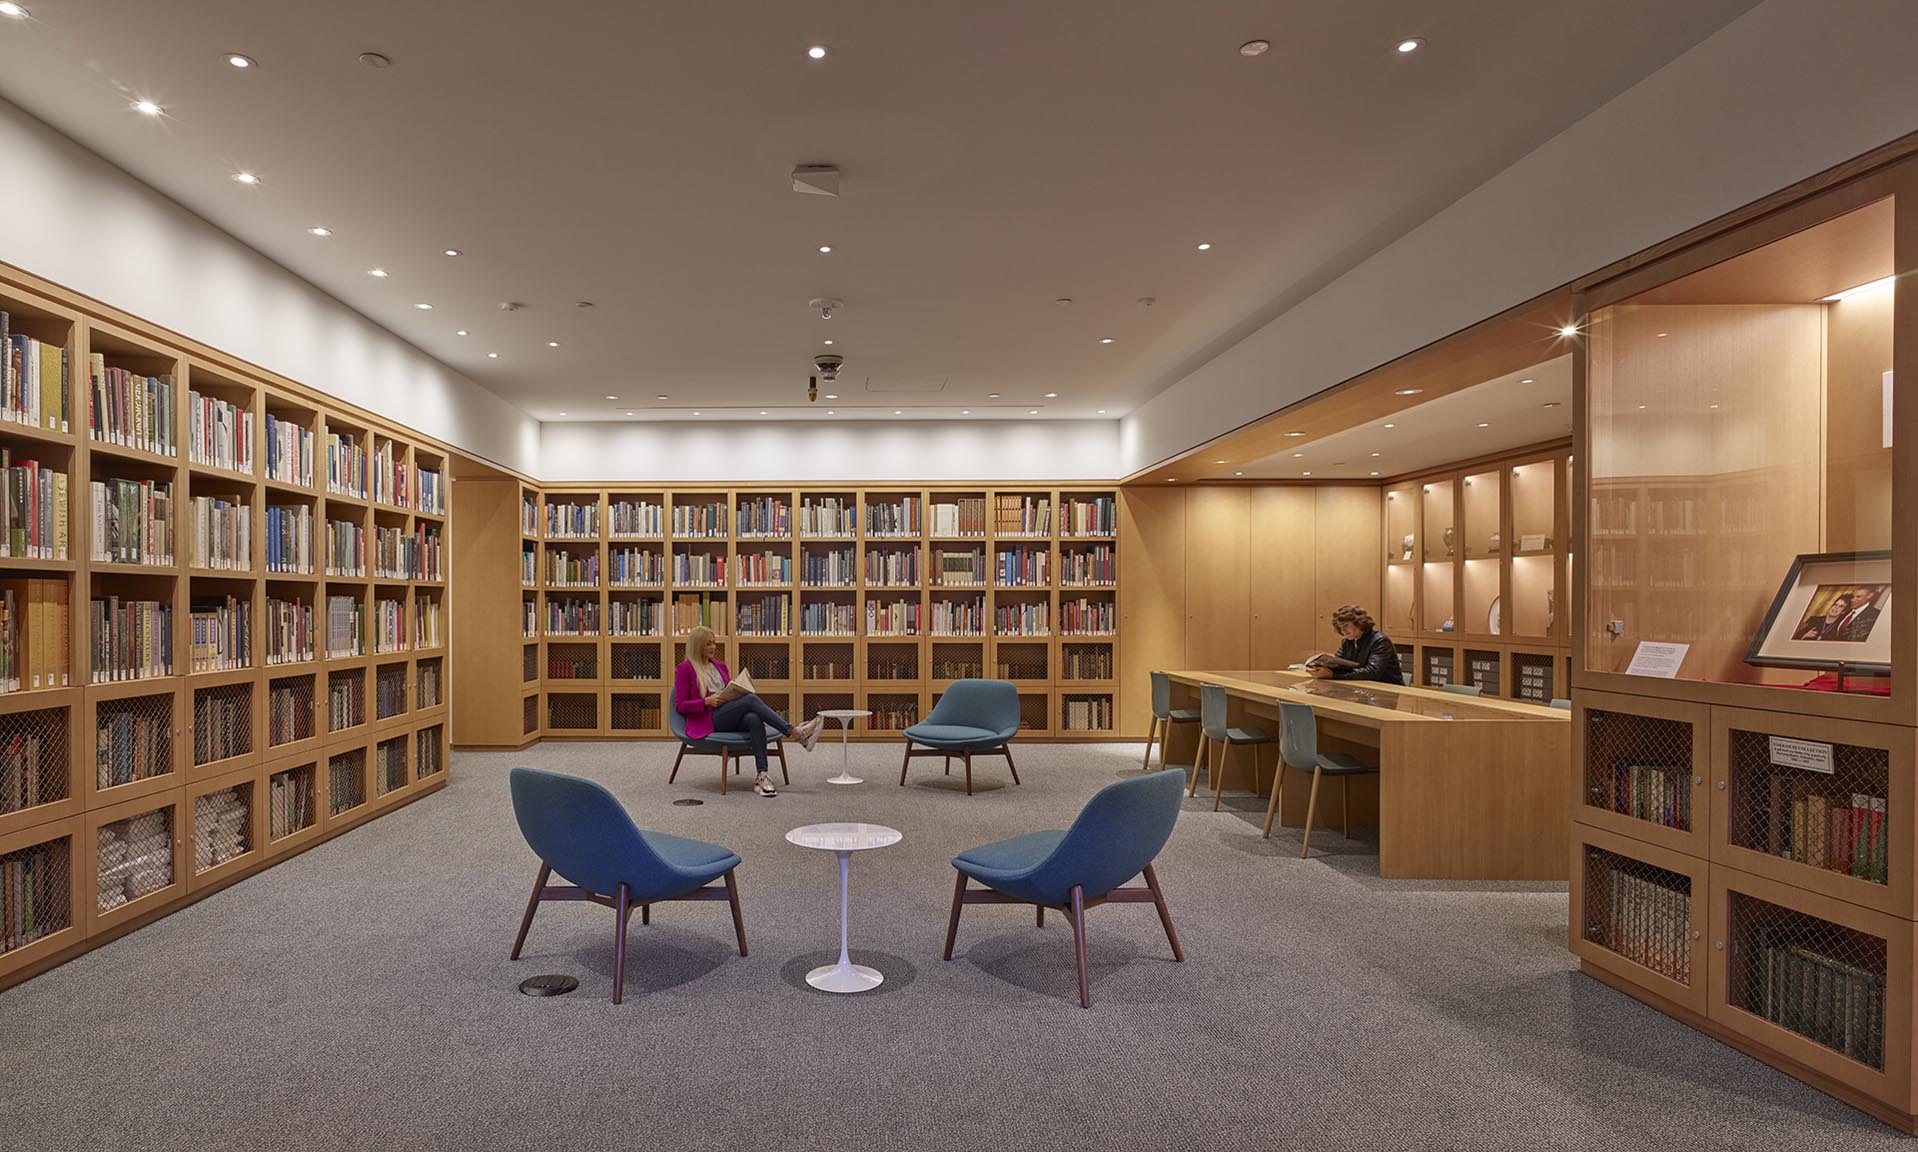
(1531, 542)
(1810, 755)
(548, 985)
(687, 803)
(1653, 658)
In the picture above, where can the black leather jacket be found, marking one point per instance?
(1376, 656)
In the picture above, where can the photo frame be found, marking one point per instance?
(1832, 609)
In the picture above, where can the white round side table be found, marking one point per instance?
(843, 840)
(845, 716)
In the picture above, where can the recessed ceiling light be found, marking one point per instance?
(992, 395)
(1102, 411)
(817, 51)
(1375, 473)
(461, 332)
(1527, 380)
(1052, 395)
(1295, 434)
(832, 395)
(1238, 473)
(630, 412)
(661, 396)
(424, 307)
(965, 412)
(449, 252)
(830, 412)
(1254, 47)
(825, 247)
(1568, 330)
(1552, 404)
(552, 343)
(1641, 406)
(1848, 293)
(695, 413)
(1375, 453)
(1662, 335)
(492, 355)
(1218, 461)
(562, 413)
(1305, 473)
(1391, 425)
(1410, 44)
(762, 411)
(828, 341)
(1032, 411)
(1714, 405)
(1298, 455)
(147, 108)
(318, 231)
(612, 397)
(1407, 391)
(239, 61)
(895, 412)
(1205, 247)
(9, 8)
(246, 178)
(1106, 340)
(1484, 424)
(376, 273)
(1171, 479)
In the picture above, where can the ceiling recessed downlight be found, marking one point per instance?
(661, 396)
(1527, 380)
(965, 412)
(246, 178)
(1255, 47)
(1052, 395)
(1410, 45)
(1484, 424)
(695, 412)
(1205, 247)
(1218, 461)
(492, 355)
(817, 51)
(1032, 411)
(1568, 330)
(319, 231)
(1305, 473)
(829, 342)
(1407, 391)
(147, 108)
(832, 395)
(461, 332)
(1106, 340)
(424, 307)
(992, 395)
(1391, 425)
(825, 247)
(552, 343)
(762, 411)
(895, 412)
(9, 8)
(239, 61)
(612, 397)
(1295, 434)
(377, 273)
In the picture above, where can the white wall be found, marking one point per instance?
(78, 221)
(1788, 90)
(912, 450)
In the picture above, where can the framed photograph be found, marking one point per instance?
(1832, 609)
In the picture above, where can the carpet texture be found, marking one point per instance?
(359, 996)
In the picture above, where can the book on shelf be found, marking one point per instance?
(289, 713)
(830, 569)
(131, 410)
(34, 899)
(35, 380)
(690, 610)
(764, 516)
(636, 518)
(961, 569)
(136, 858)
(572, 520)
(1022, 515)
(222, 634)
(432, 492)
(289, 538)
(1659, 793)
(345, 626)
(345, 548)
(132, 521)
(222, 534)
(390, 474)
(828, 516)
(430, 558)
(965, 516)
(426, 623)
(33, 509)
(1839, 832)
(345, 465)
(289, 802)
(132, 639)
(24, 781)
(289, 452)
(1094, 516)
(222, 726)
(34, 634)
(898, 517)
(289, 630)
(699, 520)
(131, 744)
(219, 433)
(1650, 921)
(1799, 987)
(1088, 714)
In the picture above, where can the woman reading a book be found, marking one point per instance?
(1366, 654)
(706, 695)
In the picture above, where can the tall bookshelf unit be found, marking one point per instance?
(144, 768)
(1743, 834)
(1475, 565)
(832, 596)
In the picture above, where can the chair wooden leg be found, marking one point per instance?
(1165, 917)
(1345, 804)
(1311, 803)
(948, 763)
(952, 922)
(1215, 768)
(1198, 760)
(532, 905)
(739, 920)
(968, 756)
(725, 762)
(787, 776)
(1079, 943)
(1040, 919)
(645, 913)
(676, 760)
(621, 909)
(1006, 751)
(1151, 733)
(1278, 793)
(902, 765)
(1165, 738)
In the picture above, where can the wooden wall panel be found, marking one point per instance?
(486, 693)
(1857, 464)
(1347, 557)
(1283, 558)
(1218, 589)
(1152, 561)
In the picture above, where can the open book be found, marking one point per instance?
(1327, 660)
(740, 685)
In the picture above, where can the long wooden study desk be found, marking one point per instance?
(1468, 788)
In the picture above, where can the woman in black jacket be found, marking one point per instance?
(1372, 653)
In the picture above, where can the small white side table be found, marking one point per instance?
(845, 716)
(843, 840)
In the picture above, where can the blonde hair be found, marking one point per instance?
(696, 643)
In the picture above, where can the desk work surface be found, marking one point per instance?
(1370, 700)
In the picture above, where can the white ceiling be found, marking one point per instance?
(996, 155)
(1528, 407)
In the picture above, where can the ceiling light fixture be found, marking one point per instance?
(562, 413)
(1410, 44)
(1375, 473)
(830, 412)
(992, 395)
(965, 412)
(492, 355)
(1052, 395)
(1205, 247)
(9, 8)
(424, 307)
(376, 273)
(1551, 404)
(1238, 473)
(895, 412)
(1375, 453)
(695, 413)
(1305, 473)
(1527, 380)
(552, 343)
(461, 332)
(316, 230)
(630, 412)
(762, 411)
(1106, 340)
(1662, 335)
(1391, 425)
(450, 252)
(825, 247)
(1407, 391)
(246, 178)
(828, 341)
(1255, 47)
(1861, 289)
(147, 108)
(817, 51)
(661, 396)
(1484, 424)
(241, 62)
(1218, 461)
(1102, 411)
(1032, 411)
(612, 397)
(832, 395)
(1568, 330)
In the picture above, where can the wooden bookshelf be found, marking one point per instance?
(208, 770)
(845, 603)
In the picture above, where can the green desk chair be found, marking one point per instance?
(1299, 748)
(1561, 703)
(1164, 716)
(1217, 737)
(1462, 689)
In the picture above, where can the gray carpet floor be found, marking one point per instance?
(359, 996)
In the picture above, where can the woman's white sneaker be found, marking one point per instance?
(808, 732)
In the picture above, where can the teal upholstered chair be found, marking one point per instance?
(972, 717)
(1164, 716)
(579, 830)
(725, 745)
(1219, 738)
(1462, 689)
(1299, 748)
(1116, 837)
(1561, 703)
(1407, 677)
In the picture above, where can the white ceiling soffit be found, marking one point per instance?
(1529, 407)
(995, 157)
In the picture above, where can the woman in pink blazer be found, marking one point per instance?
(697, 685)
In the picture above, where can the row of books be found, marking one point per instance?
(765, 615)
(426, 623)
(1097, 516)
(289, 630)
(33, 510)
(131, 410)
(34, 380)
(963, 517)
(960, 569)
(1086, 662)
(899, 618)
(572, 569)
(136, 857)
(389, 625)
(898, 518)
(218, 433)
(290, 802)
(1088, 713)
(345, 626)
(881, 666)
(765, 568)
(131, 639)
(34, 630)
(1032, 618)
(562, 664)
(528, 567)
(827, 618)
(345, 787)
(828, 516)
(1096, 566)
(637, 567)
(889, 716)
(289, 712)
(699, 568)
(572, 520)
(222, 634)
(345, 465)
(222, 534)
(528, 516)
(289, 538)
(1659, 793)
(132, 521)
(35, 900)
(1084, 617)
(1022, 567)
(345, 548)
(25, 779)
(389, 765)
(400, 555)
(391, 482)
(641, 617)
(432, 492)
(835, 569)
(222, 726)
(573, 616)
(959, 617)
(699, 520)
(131, 743)
(1650, 920)
(641, 518)
(1801, 988)
(1840, 833)
(1014, 515)
(345, 703)
(389, 693)
(765, 516)
(694, 610)
(429, 683)
(892, 566)
(289, 452)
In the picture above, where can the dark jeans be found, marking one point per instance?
(752, 716)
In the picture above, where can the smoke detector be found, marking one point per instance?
(816, 179)
(825, 306)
